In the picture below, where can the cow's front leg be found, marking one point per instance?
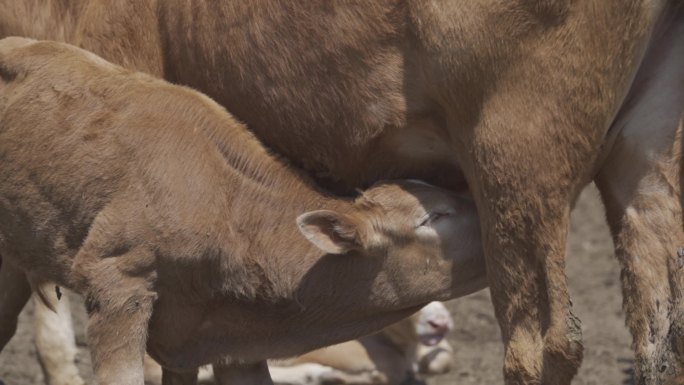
(525, 180)
(243, 374)
(525, 251)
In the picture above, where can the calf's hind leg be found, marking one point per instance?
(15, 291)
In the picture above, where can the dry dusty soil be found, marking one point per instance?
(594, 281)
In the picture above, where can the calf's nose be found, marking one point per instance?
(439, 325)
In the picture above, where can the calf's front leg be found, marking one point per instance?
(117, 329)
(119, 304)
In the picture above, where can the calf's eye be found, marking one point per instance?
(432, 217)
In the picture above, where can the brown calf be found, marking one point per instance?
(178, 226)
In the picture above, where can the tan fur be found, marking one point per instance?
(156, 205)
(524, 100)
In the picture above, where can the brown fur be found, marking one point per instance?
(525, 100)
(156, 205)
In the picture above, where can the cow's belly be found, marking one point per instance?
(421, 149)
(352, 112)
(340, 156)
(342, 159)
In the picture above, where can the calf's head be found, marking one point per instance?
(421, 233)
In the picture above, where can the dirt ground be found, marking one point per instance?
(594, 281)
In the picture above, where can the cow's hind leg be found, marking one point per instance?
(640, 182)
(644, 211)
(15, 291)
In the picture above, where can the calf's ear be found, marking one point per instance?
(10, 61)
(5, 74)
(330, 231)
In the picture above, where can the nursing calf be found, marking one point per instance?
(179, 227)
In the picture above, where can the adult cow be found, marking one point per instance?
(526, 101)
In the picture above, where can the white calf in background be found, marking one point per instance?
(413, 347)
(54, 335)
